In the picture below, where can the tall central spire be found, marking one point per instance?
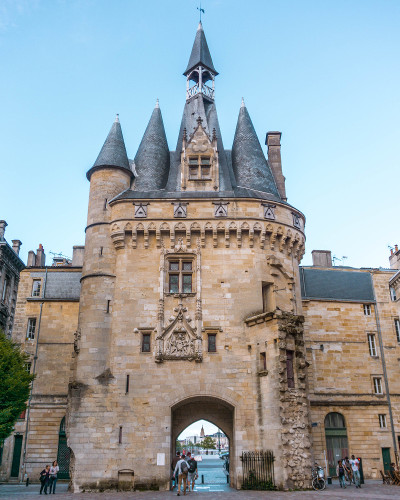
(200, 68)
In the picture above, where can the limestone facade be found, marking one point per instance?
(44, 326)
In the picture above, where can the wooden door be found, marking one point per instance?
(386, 459)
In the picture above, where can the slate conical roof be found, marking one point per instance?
(248, 161)
(113, 152)
(200, 53)
(152, 157)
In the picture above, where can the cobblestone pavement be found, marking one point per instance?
(372, 490)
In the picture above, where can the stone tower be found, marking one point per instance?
(190, 305)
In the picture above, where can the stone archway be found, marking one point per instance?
(215, 410)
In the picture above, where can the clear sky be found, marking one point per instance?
(325, 73)
(195, 428)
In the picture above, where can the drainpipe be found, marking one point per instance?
(385, 377)
(33, 373)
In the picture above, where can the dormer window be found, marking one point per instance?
(199, 168)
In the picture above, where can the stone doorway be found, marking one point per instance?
(215, 410)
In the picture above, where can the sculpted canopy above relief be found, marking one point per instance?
(179, 340)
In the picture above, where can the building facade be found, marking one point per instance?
(45, 323)
(10, 267)
(352, 340)
(188, 302)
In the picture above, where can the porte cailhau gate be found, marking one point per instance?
(193, 306)
(189, 239)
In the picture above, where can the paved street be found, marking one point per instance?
(372, 490)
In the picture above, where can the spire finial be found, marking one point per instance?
(157, 103)
(243, 105)
(199, 120)
(117, 118)
(200, 11)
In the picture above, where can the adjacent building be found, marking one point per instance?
(45, 325)
(10, 267)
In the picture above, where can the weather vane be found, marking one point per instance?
(200, 10)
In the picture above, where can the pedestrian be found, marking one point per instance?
(192, 473)
(175, 460)
(181, 469)
(53, 476)
(340, 473)
(44, 479)
(355, 466)
(347, 469)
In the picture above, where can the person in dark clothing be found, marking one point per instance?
(175, 460)
(44, 479)
(340, 473)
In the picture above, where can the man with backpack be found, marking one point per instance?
(192, 474)
(182, 469)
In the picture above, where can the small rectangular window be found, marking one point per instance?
(187, 283)
(145, 342)
(397, 328)
(382, 421)
(392, 293)
(120, 435)
(212, 344)
(36, 288)
(289, 369)
(174, 266)
(372, 344)
(263, 361)
(30, 334)
(377, 385)
(108, 306)
(127, 384)
(367, 309)
(5, 290)
(174, 283)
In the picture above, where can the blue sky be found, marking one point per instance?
(325, 73)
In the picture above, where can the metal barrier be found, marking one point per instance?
(258, 470)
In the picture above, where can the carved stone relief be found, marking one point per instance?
(179, 340)
(141, 210)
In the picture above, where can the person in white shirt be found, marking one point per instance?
(355, 466)
(53, 476)
(182, 469)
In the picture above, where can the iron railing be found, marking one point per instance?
(258, 470)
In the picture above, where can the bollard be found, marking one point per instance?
(227, 479)
(202, 479)
(27, 481)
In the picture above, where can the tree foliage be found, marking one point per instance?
(14, 385)
(208, 443)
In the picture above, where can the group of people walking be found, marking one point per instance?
(184, 471)
(48, 478)
(350, 469)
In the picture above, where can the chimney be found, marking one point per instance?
(322, 258)
(40, 257)
(31, 259)
(273, 141)
(3, 225)
(394, 258)
(16, 245)
(77, 255)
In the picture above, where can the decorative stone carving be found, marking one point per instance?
(179, 340)
(269, 211)
(180, 210)
(141, 210)
(296, 220)
(221, 209)
(77, 341)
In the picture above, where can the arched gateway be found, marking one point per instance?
(215, 410)
(190, 302)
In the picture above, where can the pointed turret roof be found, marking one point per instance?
(248, 161)
(200, 53)
(152, 157)
(113, 152)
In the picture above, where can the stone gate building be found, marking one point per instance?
(182, 248)
(192, 305)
